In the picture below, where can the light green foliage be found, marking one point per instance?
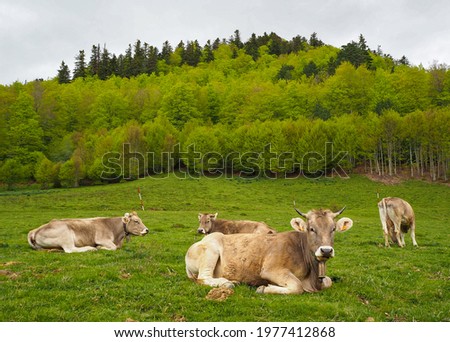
(204, 142)
(46, 173)
(24, 132)
(108, 111)
(11, 171)
(71, 172)
(179, 104)
(310, 92)
(349, 91)
(412, 86)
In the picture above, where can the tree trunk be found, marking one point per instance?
(432, 167)
(389, 158)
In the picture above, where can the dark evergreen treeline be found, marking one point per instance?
(265, 105)
(142, 58)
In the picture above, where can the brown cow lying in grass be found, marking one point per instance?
(81, 235)
(285, 263)
(210, 224)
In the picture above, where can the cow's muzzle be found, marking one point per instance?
(201, 230)
(324, 253)
(144, 231)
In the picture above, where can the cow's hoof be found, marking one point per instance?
(228, 285)
(260, 289)
(326, 282)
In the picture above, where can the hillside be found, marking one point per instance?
(265, 106)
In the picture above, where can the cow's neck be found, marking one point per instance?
(127, 233)
(312, 283)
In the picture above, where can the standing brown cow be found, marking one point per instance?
(210, 224)
(397, 217)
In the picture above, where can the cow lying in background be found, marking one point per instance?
(397, 217)
(81, 235)
(210, 224)
(284, 263)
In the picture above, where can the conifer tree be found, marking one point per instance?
(104, 70)
(166, 52)
(314, 41)
(252, 48)
(114, 65)
(80, 65)
(207, 54)
(298, 43)
(236, 40)
(276, 45)
(310, 69)
(216, 44)
(94, 62)
(151, 60)
(356, 53)
(192, 54)
(138, 62)
(179, 55)
(63, 73)
(403, 60)
(127, 63)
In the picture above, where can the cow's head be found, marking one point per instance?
(320, 227)
(133, 224)
(205, 223)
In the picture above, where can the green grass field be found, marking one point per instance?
(146, 281)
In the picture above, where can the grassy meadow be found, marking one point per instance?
(146, 281)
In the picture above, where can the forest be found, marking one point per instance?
(267, 106)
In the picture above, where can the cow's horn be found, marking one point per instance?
(340, 211)
(299, 212)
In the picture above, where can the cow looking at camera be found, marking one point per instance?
(284, 263)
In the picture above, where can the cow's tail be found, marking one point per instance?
(191, 275)
(383, 201)
(383, 212)
(389, 223)
(32, 239)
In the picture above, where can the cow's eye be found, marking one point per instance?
(207, 221)
(137, 221)
(312, 230)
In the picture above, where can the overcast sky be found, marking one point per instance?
(36, 35)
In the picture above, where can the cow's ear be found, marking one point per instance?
(213, 217)
(199, 216)
(134, 213)
(298, 224)
(126, 218)
(344, 224)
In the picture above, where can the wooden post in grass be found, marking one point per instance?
(140, 198)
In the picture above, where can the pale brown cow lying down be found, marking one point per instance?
(397, 217)
(81, 235)
(210, 224)
(283, 263)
